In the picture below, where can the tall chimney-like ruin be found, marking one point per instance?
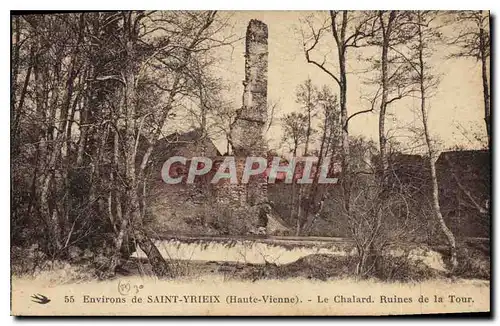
(248, 128)
(247, 131)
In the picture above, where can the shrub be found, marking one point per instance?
(318, 266)
(403, 269)
(472, 263)
(25, 261)
(225, 219)
(32, 262)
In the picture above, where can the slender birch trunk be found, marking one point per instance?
(430, 149)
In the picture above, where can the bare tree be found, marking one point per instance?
(348, 29)
(330, 142)
(392, 32)
(95, 93)
(427, 35)
(44, 107)
(295, 128)
(180, 54)
(306, 96)
(473, 41)
(223, 118)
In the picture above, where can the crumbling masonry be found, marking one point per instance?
(247, 131)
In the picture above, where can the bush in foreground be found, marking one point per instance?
(472, 263)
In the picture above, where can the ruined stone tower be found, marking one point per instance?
(247, 131)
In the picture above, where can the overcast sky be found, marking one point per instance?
(458, 100)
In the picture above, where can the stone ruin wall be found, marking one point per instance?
(247, 132)
(253, 193)
(227, 193)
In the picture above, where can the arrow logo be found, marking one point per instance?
(40, 298)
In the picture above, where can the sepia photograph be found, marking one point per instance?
(250, 163)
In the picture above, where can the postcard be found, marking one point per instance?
(250, 163)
